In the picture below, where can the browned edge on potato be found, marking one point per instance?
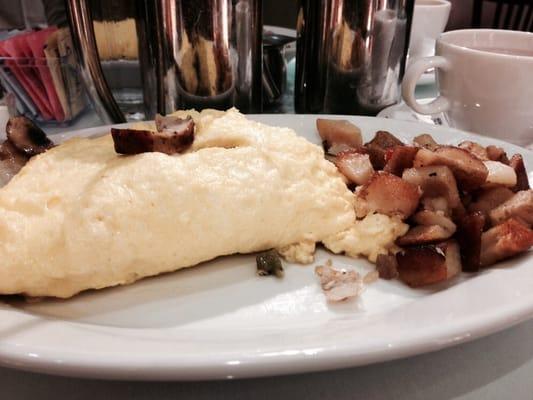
(399, 158)
(387, 194)
(429, 264)
(469, 171)
(469, 237)
(455, 194)
(519, 207)
(378, 146)
(505, 240)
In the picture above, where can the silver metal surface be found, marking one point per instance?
(192, 54)
(351, 54)
(207, 53)
(82, 31)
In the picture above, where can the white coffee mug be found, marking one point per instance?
(429, 20)
(485, 80)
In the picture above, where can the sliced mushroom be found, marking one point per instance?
(377, 147)
(26, 136)
(339, 132)
(520, 207)
(11, 161)
(500, 174)
(475, 149)
(387, 194)
(425, 140)
(469, 237)
(470, 172)
(426, 265)
(387, 266)
(522, 181)
(429, 218)
(356, 167)
(489, 199)
(424, 234)
(399, 158)
(505, 240)
(169, 122)
(435, 181)
(175, 139)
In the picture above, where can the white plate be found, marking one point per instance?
(220, 320)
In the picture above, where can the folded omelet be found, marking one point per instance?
(81, 216)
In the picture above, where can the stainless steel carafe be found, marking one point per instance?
(351, 54)
(192, 54)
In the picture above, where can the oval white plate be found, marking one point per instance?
(219, 320)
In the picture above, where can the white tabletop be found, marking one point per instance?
(496, 367)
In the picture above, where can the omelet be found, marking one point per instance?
(80, 216)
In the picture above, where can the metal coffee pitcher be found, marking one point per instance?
(351, 55)
(191, 53)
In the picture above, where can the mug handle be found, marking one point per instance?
(411, 77)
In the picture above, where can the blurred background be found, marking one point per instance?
(54, 79)
(460, 16)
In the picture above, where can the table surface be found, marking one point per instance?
(494, 367)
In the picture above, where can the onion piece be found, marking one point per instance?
(425, 140)
(428, 218)
(355, 167)
(338, 284)
(500, 174)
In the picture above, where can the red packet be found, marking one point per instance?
(36, 41)
(25, 73)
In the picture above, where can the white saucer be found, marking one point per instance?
(403, 112)
(427, 78)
